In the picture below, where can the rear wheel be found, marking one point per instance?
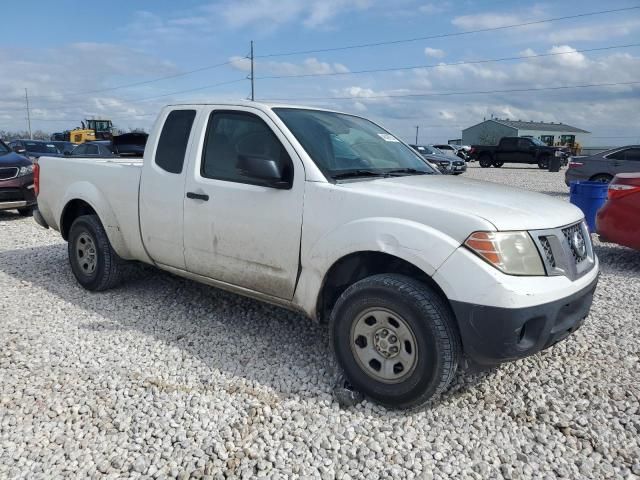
(485, 161)
(602, 177)
(395, 340)
(93, 261)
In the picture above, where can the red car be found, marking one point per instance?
(618, 221)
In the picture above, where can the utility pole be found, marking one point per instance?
(417, 129)
(26, 96)
(252, 80)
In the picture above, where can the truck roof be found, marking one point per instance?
(254, 104)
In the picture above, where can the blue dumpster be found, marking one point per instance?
(589, 197)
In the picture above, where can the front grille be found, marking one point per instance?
(565, 251)
(8, 173)
(575, 238)
(11, 195)
(547, 251)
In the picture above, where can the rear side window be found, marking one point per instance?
(92, 150)
(174, 138)
(508, 142)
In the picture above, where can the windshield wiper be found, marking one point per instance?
(358, 173)
(410, 171)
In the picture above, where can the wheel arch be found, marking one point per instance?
(356, 266)
(88, 200)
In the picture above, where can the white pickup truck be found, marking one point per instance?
(329, 214)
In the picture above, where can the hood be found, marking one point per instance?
(505, 207)
(13, 159)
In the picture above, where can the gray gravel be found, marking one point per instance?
(166, 378)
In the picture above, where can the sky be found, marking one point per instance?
(106, 61)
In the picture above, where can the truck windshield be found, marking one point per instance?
(540, 143)
(344, 145)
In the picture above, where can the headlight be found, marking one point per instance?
(513, 253)
(25, 171)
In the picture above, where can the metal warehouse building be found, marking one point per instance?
(489, 132)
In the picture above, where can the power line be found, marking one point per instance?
(446, 35)
(144, 82)
(445, 94)
(188, 91)
(440, 65)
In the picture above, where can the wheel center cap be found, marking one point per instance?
(386, 342)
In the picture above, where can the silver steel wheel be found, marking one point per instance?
(86, 254)
(384, 345)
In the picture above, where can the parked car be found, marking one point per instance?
(603, 166)
(330, 215)
(447, 164)
(129, 144)
(35, 148)
(63, 147)
(16, 182)
(453, 150)
(618, 221)
(517, 150)
(97, 149)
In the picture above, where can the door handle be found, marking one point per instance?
(197, 196)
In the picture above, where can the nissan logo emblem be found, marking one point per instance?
(578, 244)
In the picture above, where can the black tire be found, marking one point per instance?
(25, 212)
(107, 264)
(428, 318)
(498, 164)
(485, 161)
(601, 177)
(543, 163)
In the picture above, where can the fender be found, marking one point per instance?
(87, 192)
(405, 239)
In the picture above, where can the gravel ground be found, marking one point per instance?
(166, 378)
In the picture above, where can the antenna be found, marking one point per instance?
(26, 96)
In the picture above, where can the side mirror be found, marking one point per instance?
(19, 149)
(262, 168)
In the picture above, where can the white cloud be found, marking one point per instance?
(593, 32)
(310, 66)
(434, 52)
(241, 13)
(433, 8)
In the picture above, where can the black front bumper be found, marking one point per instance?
(493, 335)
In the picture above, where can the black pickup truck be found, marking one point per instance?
(517, 150)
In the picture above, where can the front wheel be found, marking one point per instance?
(498, 164)
(543, 163)
(93, 261)
(25, 212)
(395, 339)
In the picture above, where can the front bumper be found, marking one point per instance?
(17, 193)
(493, 335)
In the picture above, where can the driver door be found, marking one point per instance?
(238, 229)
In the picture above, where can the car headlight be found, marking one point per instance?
(513, 253)
(25, 171)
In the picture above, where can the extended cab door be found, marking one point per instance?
(162, 188)
(241, 227)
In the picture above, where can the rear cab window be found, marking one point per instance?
(174, 139)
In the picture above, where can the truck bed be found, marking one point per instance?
(109, 185)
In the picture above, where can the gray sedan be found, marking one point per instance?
(603, 166)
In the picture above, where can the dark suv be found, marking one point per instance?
(16, 182)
